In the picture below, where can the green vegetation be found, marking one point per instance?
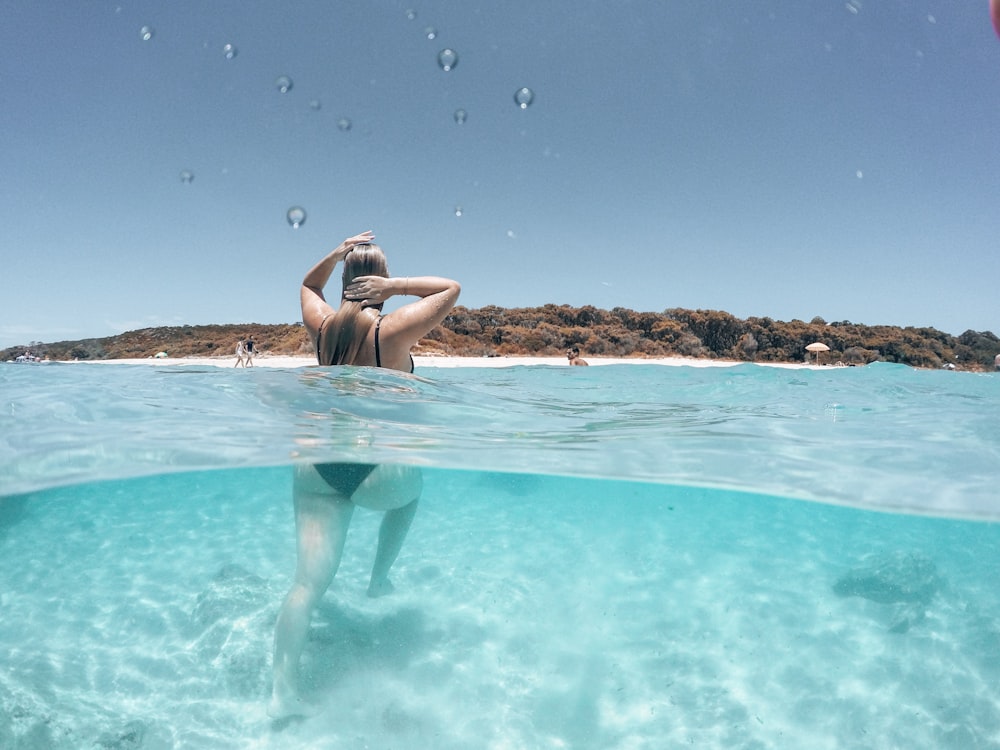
(548, 330)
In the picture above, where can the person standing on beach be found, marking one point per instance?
(573, 355)
(240, 354)
(325, 495)
(248, 350)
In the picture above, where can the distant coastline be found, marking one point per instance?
(545, 332)
(287, 362)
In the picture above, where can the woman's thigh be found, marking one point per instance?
(387, 486)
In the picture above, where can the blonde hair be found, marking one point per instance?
(342, 337)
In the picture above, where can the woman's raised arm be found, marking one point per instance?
(409, 323)
(314, 304)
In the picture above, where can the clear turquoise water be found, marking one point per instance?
(627, 557)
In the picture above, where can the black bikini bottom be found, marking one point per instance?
(345, 478)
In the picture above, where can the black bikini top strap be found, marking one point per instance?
(378, 354)
(319, 339)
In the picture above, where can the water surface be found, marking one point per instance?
(629, 557)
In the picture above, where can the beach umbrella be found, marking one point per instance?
(817, 347)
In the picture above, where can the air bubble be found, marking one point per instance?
(283, 84)
(146, 33)
(461, 116)
(458, 211)
(524, 97)
(344, 124)
(296, 216)
(229, 51)
(430, 32)
(187, 176)
(447, 59)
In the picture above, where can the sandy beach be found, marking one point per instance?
(266, 360)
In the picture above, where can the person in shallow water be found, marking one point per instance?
(573, 355)
(325, 495)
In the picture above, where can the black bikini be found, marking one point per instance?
(346, 478)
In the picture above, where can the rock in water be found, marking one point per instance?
(906, 580)
(233, 592)
(227, 624)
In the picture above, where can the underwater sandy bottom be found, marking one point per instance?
(529, 612)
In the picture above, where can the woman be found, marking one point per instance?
(326, 494)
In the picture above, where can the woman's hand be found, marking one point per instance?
(369, 290)
(347, 245)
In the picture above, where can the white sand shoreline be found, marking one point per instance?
(282, 361)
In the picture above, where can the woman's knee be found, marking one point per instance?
(307, 592)
(316, 568)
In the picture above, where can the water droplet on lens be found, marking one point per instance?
(524, 96)
(315, 105)
(431, 32)
(344, 124)
(461, 116)
(146, 33)
(284, 84)
(859, 174)
(229, 51)
(296, 216)
(447, 59)
(187, 176)
(458, 211)
(411, 14)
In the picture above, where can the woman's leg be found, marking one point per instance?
(321, 521)
(391, 534)
(394, 489)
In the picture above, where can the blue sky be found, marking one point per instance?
(782, 159)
